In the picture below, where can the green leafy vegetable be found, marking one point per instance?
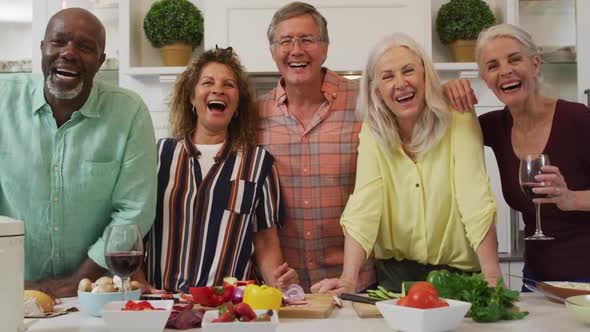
(488, 304)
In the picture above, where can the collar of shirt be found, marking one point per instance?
(329, 90)
(89, 109)
(191, 149)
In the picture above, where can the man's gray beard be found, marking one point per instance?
(59, 94)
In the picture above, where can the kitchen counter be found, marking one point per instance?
(543, 316)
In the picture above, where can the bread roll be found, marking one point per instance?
(43, 299)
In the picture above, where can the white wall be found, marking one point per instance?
(12, 35)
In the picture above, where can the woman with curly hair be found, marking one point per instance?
(218, 193)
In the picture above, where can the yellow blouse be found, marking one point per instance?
(436, 210)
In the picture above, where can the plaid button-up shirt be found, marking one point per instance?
(317, 168)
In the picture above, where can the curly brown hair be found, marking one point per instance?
(242, 127)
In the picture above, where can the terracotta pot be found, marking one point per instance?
(463, 50)
(176, 54)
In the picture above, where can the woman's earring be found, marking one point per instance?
(194, 109)
(236, 114)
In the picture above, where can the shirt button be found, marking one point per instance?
(417, 185)
(308, 233)
(56, 168)
(306, 202)
(305, 170)
(56, 229)
(55, 199)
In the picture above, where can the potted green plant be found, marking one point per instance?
(458, 23)
(176, 27)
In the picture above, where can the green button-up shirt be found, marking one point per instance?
(67, 184)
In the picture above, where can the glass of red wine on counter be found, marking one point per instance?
(123, 251)
(530, 166)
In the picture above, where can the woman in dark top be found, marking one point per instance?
(531, 123)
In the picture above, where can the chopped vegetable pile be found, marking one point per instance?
(139, 306)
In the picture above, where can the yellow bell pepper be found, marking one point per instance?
(263, 297)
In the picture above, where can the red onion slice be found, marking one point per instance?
(294, 292)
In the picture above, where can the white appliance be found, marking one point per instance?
(12, 279)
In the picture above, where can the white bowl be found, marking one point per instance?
(128, 320)
(580, 306)
(238, 326)
(92, 303)
(423, 320)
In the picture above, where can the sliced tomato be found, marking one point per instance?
(442, 303)
(186, 297)
(403, 301)
(138, 306)
(246, 282)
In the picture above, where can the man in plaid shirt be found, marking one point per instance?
(309, 125)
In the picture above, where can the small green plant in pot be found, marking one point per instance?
(176, 27)
(458, 23)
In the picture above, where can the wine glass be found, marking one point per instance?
(123, 251)
(530, 166)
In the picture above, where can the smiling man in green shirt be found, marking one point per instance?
(75, 156)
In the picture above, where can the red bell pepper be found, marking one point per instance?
(211, 296)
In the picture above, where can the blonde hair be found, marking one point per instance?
(509, 31)
(183, 120)
(433, 121)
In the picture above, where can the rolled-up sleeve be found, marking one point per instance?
(472, 186)
(362, 216)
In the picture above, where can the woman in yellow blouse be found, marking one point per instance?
(422, 199)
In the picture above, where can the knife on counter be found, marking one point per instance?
(357, 298)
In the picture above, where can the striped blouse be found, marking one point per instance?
(204, 225)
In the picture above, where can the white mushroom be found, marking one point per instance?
(103, 281)
(134, 285)
(104, 288)
(117, 282)
(85, 285)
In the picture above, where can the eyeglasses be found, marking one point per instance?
(306, 43)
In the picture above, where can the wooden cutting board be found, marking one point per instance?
(319, 306)
(364, 310)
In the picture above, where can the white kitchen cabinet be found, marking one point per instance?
(583, 50)
(354, 27)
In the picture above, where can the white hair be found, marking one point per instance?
(433, 121)
(508, 31)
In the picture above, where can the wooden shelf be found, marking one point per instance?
(153, 71)
(456, 66)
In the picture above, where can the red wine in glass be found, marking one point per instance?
(530, 166)
(527, 188)
(123, 251)
(124, 263)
